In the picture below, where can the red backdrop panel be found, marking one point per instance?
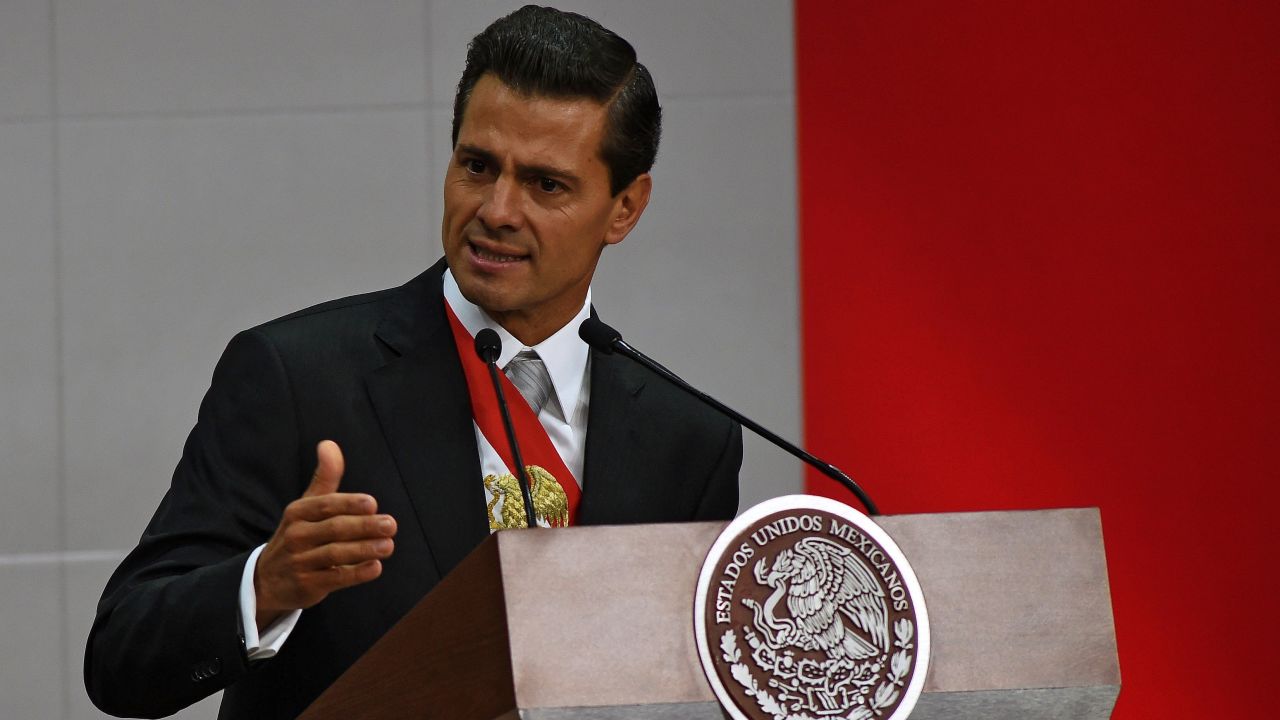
(1040, 253)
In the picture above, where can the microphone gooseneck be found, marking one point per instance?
(605, 339)
(489, 347)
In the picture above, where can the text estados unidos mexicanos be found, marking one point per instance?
(807, 523)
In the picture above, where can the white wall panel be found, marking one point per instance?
(25, 49)
(32, 675)
(137, 56)
(29, 482)
(180, 232)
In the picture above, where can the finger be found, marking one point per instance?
(323, 507)
(329, 467)
(344, 576)
(344, 553)
(303, 536)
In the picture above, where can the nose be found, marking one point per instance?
(500, 209)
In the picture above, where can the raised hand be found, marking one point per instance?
(326, 541)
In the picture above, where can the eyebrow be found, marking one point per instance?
(522, 170)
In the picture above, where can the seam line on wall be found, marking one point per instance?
(51, 558)
(245, 112)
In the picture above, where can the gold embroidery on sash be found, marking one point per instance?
(550, 503)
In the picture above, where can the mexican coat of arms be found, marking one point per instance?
(807, 610)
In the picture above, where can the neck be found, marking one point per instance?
(532, 325)
(530, 328)
(528, 325)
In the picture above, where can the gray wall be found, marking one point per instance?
(172, 171)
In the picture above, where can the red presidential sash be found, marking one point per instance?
(539, 453)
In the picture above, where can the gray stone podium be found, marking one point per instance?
(597, 622)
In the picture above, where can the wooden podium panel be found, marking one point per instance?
(1021, 611)
(609, 615)
(597, 622)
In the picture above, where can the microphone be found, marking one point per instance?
(489, 347)
(608, 341)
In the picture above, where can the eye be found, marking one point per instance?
(473, 166)
(547, 185)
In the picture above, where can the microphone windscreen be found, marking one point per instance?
(598, 335)
(488, 345)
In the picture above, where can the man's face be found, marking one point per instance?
(527, 208)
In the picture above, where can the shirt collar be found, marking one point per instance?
(564, 353)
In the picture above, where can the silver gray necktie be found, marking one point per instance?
(529, 375)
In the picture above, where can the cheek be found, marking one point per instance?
(456, 210)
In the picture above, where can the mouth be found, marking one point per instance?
(491, 255)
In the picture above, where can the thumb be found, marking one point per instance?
(329, 467)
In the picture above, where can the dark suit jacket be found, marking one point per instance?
(380, 375)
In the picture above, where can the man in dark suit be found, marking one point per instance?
(339, 467)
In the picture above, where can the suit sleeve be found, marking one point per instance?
(720, 497)
(166, 632)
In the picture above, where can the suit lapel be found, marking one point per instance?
(608, 467)
(421, 401)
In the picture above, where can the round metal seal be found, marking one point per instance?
(807, 610)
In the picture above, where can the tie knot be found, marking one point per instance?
(529, 374)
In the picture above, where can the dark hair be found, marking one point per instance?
(544, 51)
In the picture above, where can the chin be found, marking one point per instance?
(489, 299)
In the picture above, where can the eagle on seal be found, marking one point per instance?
(826, 585)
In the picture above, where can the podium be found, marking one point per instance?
(597, 622)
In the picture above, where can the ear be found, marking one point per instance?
(627, 208)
